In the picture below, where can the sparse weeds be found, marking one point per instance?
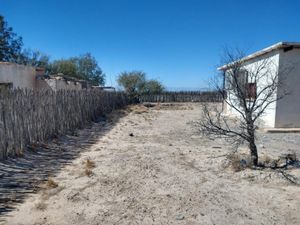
(238, 162)
(173, 106)
(282, 161)
(281, 164)
(89, 164)
(139, 109)
(266, 159)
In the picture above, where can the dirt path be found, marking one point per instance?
(153, 168)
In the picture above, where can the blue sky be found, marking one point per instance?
(178, 42)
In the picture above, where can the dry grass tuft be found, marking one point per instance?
(51, 184)
(238, 162)
(89, 164)
(138, 109)
(266, 160)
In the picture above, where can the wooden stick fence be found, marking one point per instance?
(28, 116)
(183, 96)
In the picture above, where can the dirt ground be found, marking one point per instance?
(153, 167)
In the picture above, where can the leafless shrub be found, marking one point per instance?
(248, 92)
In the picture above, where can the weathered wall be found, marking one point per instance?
(21, 76)
(288, 108)
(25, 77)
(58, 84)
(67, 85)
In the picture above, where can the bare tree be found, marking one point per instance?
(247, 90)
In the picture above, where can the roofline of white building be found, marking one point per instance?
(279, 45)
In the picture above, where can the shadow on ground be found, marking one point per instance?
(24, 175)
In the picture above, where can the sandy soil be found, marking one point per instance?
(154, 168)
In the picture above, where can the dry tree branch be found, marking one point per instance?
(235, 94)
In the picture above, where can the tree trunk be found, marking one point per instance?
(252, 145)
(253, 151)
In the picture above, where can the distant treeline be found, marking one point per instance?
(182, 96)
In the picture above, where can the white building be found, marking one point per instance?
(14, 76)
(17, 76)
(284, 113)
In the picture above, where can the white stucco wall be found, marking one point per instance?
(21, 76)
(267, 120)
(25, 77)
(288, 108)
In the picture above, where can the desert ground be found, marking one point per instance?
(154, 167)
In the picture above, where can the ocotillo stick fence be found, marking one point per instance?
(182, 96)
(28, 116)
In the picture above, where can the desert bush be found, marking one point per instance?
(135, 84)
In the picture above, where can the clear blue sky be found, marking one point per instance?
(178, 42)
